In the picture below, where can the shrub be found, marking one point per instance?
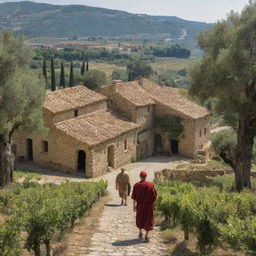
(94, 79)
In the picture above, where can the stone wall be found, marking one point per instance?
(63, 151)
(144, 117)
(187, 139)
(122, 156)
(101, 105)
(118, 102)
(202, 133)
(145, 144)
(187, 175)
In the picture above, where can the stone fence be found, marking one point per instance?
(187, 175)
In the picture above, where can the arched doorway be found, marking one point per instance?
(29, 149)
(158, 143)
(175, 147)
(111, 156)
(81, 162)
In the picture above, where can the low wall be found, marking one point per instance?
(187, 175)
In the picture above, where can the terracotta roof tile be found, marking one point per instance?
(172, 98)
(71, 98)
(96, 127)
(134, 93)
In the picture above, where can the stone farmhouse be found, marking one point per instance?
(90, 131)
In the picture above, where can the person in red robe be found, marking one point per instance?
(144, 196)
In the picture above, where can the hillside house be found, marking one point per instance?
(91, 131)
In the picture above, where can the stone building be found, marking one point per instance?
(89, 131)
(143, 100)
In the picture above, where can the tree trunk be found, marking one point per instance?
(7, 159)
(37, 250)
(47, 247)
(186, 233)
(243, 154)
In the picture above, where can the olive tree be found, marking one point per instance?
(21, 99)
(227, 73)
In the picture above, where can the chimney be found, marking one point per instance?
(140, 81)
(115, 83)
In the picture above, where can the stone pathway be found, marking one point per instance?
(117, 234)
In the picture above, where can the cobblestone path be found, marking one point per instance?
(117, 234)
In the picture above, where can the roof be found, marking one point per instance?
(71, 98)
(96, 127)
(134, 93)
(172, 98)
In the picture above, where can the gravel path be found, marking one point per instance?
(117, 234)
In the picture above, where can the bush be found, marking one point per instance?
(94, 79)
(9, 238)
(217, 219)
(224, 143)
(138, 69)
(120, 74)
(43, 212)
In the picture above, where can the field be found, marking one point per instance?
(163, 64)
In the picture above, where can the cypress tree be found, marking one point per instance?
(53, 80)
(83, 68)
(62, 75)
(87, 66)
(71, 76)
(44, 70)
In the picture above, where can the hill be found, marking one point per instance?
(46, 20)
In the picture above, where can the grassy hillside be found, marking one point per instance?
(36, 19)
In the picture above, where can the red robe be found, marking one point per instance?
(145, 195)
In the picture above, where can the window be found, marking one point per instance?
(76, 113)
(205, 130)
(125, 144)
(200, 133)
(44, 146)
(148, 108)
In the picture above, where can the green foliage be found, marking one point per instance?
(94, 79)
(69, 54)
(9, 238)
(83, 68)
(53, 79)
(71, 75)
(44, 69)
(27, 175)
(138, 69)
(120, 74)
(217, 219)
(62, 76)
(175, 50)
(224, 143)
(21, 91)
(170, 124)
(227, 74)
(227, 67)
(44, 211)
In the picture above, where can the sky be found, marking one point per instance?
(197, 10)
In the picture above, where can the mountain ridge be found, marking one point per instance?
(42, 19)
